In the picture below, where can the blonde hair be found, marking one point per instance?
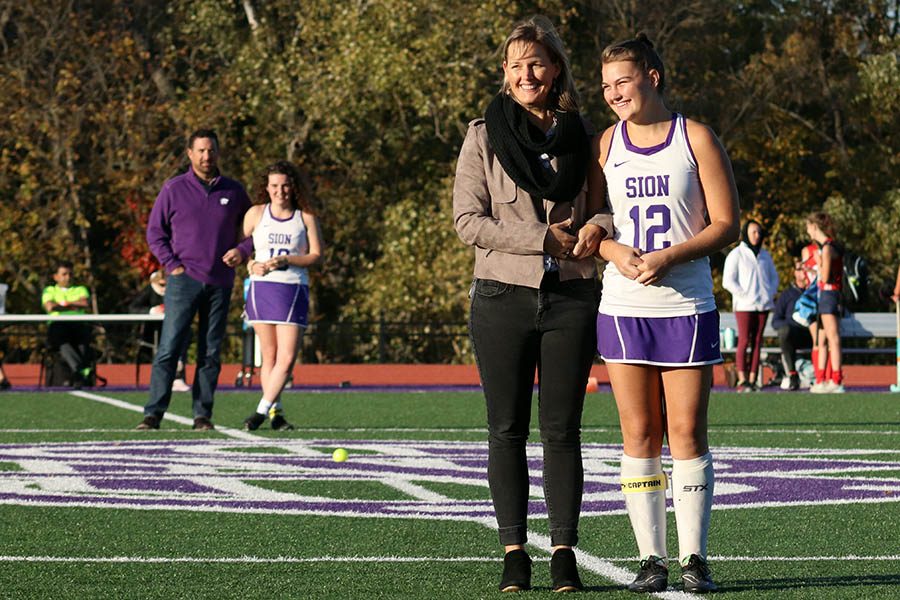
(639, 51)
(539, 30)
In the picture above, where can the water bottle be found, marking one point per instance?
(728, 339)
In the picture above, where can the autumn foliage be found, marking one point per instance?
(372, 100)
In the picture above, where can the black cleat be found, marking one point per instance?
(794, 384)
(279, 423)
(563, 571)
(652, 577)
(696, 577)
(253, 422)
(516, 572)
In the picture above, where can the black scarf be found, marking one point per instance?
(745, 236)
(518, 143)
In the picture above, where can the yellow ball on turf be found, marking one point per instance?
(339, 455)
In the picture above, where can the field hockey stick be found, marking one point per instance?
(895, 387)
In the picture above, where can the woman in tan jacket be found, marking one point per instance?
(522, 198)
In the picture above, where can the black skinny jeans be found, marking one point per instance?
(514, 330)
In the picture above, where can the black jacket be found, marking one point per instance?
(784, 308)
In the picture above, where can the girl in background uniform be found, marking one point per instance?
(830, 266)
(286, 240)
(810, 259)
(674, 202)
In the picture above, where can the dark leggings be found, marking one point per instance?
(750, 326)
(517, 330)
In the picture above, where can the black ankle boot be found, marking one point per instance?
(563, 571)
(516, 572)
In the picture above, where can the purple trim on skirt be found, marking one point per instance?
(277, 303)
(687, 341)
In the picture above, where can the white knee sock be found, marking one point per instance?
(644, 486)
(692, 494)
(263, 406)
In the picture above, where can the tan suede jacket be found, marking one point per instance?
(497, 217)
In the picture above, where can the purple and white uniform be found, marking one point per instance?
(282, 296)
(657, 201)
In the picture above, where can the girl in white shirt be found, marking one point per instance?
(286, 241)
(674, 202)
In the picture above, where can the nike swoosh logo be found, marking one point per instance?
(616, 165)
(713, 345)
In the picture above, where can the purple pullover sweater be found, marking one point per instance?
(194, 229)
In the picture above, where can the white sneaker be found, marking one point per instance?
(180, 385)
(827, 387)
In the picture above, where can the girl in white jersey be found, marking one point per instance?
(286, 241)
(674, 202)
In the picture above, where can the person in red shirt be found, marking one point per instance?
(830, 267)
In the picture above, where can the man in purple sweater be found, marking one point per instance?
(193, 231)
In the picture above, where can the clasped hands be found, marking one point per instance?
(264, 267)
(645, 268)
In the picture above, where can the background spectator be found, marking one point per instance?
(830, 267)
(150, 300)
(791, 335)
(287, 241)
(750, 276)
(71, 340)
(193, 232)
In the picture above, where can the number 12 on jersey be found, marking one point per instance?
(656, 220)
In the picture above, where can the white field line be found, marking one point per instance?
(93, 430)
(589, 562)
(235, 433)
(801, 558)
(391, 559)
(603, 567)
(247, 559)
(186, 421)
(595, 564)
(804, 431)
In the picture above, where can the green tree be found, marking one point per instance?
(372, 100)
(80, 129)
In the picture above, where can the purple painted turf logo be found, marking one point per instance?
(434, 480)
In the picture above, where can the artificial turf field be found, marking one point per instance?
(807, 499)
